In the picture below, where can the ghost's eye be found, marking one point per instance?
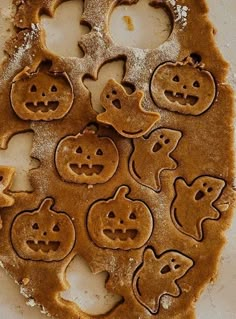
(35, 226)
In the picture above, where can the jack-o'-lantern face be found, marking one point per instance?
(120, 223)
(41, 95)
(183, 88)
(86, 158)
(43, 235)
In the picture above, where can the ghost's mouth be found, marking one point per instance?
(44, 246)
(85, 169)
(121, 234)
(138, 287)
(176, 218)
(135, 170)
(181, 98)
(43, 107)
(132, 133)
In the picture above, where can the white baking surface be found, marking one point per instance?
(218, 300)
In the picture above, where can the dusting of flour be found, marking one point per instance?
(17, 58)
(181, 13)
(31, 302)
(166, 302)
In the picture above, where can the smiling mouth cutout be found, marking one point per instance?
(181, 98)
(85, 169)
(44, 107)
(132, 133)
(44, 246)
(121, 234)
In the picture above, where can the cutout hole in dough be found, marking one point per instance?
(88, 289)
(58, 29)
(17, 155)
(128, 25)
(111, 70)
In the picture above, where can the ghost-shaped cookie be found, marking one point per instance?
(157, 276)
(125, 112)
(193, 204)
(151, 156)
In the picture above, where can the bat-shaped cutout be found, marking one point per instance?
(125, 112)
(193, 204)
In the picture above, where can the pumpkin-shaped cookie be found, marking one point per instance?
(183, 87)
(41, 95)
(86, 158)
(120, 222)
(43, 234)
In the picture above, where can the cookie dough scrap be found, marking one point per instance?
(142, 190)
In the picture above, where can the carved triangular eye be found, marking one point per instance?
(132, 216)
(35, 226)
(99, 152)
(176, 78)
(196, 84)
(111, 215)
(56, 228)
(79, 150)
(33, 88)
(54, 88)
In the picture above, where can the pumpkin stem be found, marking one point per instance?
(122, 192)
(91, 129)
(191, 61)
(46, 204)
